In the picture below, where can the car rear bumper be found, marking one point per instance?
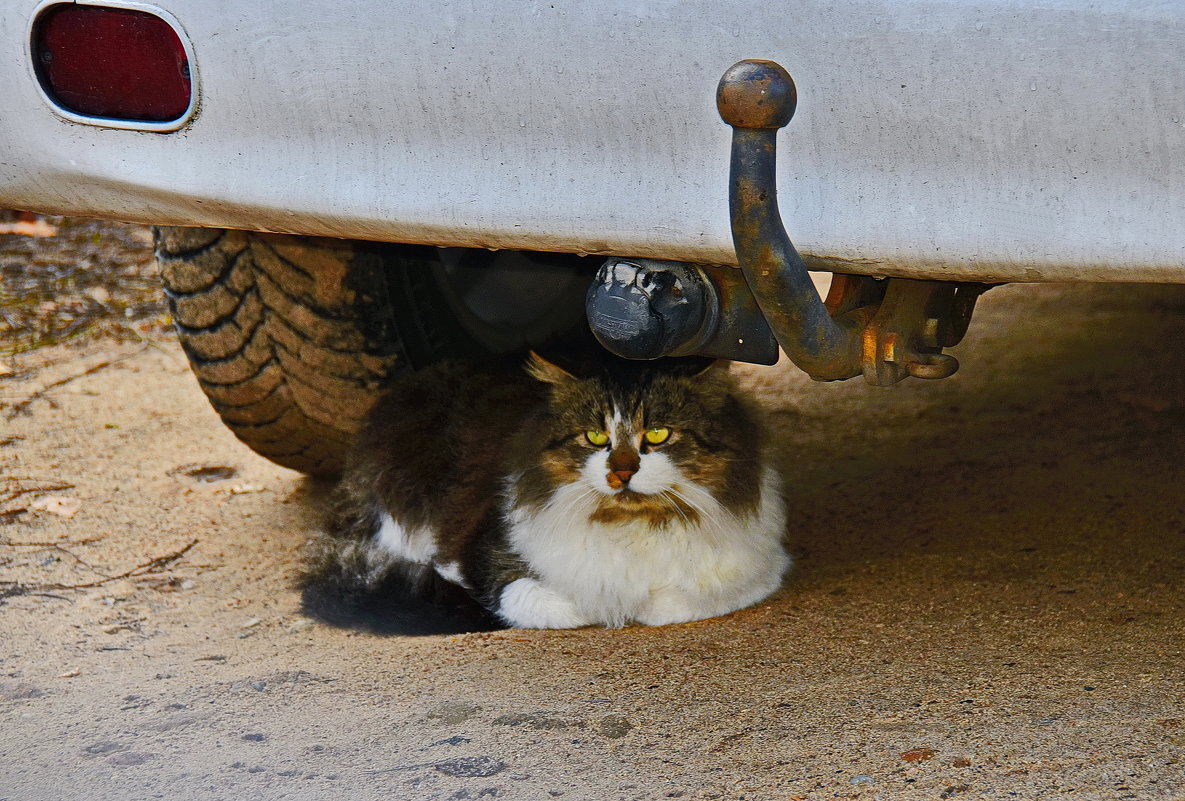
(995, 141)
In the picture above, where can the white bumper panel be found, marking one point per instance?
(994, 140)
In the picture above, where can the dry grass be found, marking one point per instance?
(90, 278)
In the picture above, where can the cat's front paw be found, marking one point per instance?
(526, 603)
(665, 608)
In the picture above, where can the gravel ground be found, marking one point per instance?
(986, 603)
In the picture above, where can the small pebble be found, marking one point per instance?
(255, 738)
(253, 622)
(304, 624)
(187, 584)
(863, 778)
(70, 674)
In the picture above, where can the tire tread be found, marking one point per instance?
(279, 338)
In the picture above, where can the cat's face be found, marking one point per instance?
(656, 443)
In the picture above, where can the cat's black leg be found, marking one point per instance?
(397, 597)
(355, 583)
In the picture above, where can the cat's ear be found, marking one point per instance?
(542, 370)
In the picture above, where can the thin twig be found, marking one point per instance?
(150, 342)
(10, 589)
(20, 407)
(50, 544)
(113, 314)
(26, 490)
(14, 590)
(139, 570)
(57, 546)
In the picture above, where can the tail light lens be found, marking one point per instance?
(117, 64)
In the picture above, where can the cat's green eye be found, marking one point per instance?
(657, 435)
(598, 438)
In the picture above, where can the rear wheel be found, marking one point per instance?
(292, 338)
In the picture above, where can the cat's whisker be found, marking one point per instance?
(571, 505)
(673, 502)
(705, 515)
(705, 506)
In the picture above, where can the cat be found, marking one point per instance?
(624, 493)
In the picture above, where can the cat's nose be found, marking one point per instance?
(623, 463)
(619, 478)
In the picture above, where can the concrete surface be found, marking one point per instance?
(987, 601)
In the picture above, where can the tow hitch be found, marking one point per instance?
(885, 329)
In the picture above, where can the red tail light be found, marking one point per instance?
(113, 63)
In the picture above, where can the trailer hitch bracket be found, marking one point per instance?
(886, 330)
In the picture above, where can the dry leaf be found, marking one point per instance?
(98, 294)
(205, 474)
(60, 505)
(918, 755)
(245, 489)
(37, 227)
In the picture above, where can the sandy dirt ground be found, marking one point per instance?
(986, 601)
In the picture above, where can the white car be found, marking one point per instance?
(345, 188)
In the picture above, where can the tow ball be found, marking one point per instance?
(883, 329)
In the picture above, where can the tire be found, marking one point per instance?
(293, 338)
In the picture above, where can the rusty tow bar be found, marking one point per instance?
(885, 330)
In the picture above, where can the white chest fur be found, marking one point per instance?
(589, 573)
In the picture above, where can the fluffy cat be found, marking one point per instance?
(481, 498)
